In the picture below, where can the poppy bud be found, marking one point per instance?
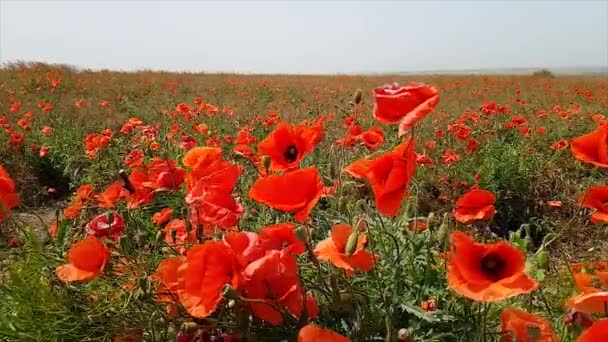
(159, 236)
(300, 233)
(189, 327)
(126, 182)
(443, 233)
(351, 243)
(266, 163)
(542, 259)
(228, 292)
(358, 96)
(403, 335)
(429, 220)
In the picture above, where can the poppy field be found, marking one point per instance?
(157, 206)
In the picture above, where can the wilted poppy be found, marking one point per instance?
(596, 333)
(106, 225)
(343, 252)
(86, 260)
(595, 198)
(487, 272)
(202, 277)
(406, 105)
(286, 146)
(9, 198)
(475, 205)
(592, 148)
(389, 175)
(314, 333)
(519, 325)
(305, 189)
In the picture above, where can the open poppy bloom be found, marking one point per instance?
(282, 236)
(247, 246)
(164, 174)
(389, 175)
(314, 333)
(336, 250)
(8, 196)
(177, 235)
(86, 261)
(305, 189)
(286, 146)
(406, 105)
(106, 225)
(475, 205)
(596, 333)
(110, 196)
(372, 138)
(202, 161)
(162, 216)
(166, 274)
(274, 278)
(487, 272)
(589, 303)
(143, 193)
(519, 325)
(595, 198)
(592, 148)
(202, 277)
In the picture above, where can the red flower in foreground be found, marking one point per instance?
(519, 325)
(475, 205)
(162, 216)
(86, 261)
(487, 272)
(389, 175)
(597, 332)
(286, 146)
(592, 148)
(338, 252)
(314, 333)
(595, 198)
(166, 273)
(9, 198)
(305, 189)
(106, 225)
(406, 105)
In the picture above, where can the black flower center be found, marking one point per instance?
(493, 266)
(291, 153)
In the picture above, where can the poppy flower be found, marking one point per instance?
(519, 325)
(177, 235)
(589, 302)
(282, 236)
(201, 161)
(475, 205)
(166, 274)
(595, 198)
(274, 279)
(9, 198)
(597, 332)
(143, 193)
(314, 333)
(592, 148)
(404, 105)
(86, 261)
(110, 196)
(162, 216)
(286, 146)
(135, 158)
(336, 251)
(247, 246)
(372, 138)
(106, 225)
(217, 208)
(164, 174)
(305, 187)
(389, 175)
(16, 139)
(201, 278)
(487, 272)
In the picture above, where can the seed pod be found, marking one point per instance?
(358, 96)
(228, 292)
(266, 163)
(300, 233)
(351, 243)
(126, 183)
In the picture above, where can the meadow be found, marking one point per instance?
(157, 206)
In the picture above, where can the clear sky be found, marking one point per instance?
(306, 36)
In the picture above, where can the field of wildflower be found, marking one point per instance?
(156, 206)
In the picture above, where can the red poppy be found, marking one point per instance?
(273, 279)
(521, 326)
(162, 216)
(282, 236)
(589, 302)
(106, 225)
(16, 139)
(110, 196)
(9, 198)
(86, 261)
(389, 175)
(475, 205)
(143, 193)
(166, 273)
(406, 105)
(217, 208)
(595, 198)
(592, 148)
(177, 235)
(487, 272)
(300, 199)
(135, 158)
(314, 333)
(335, 250)
(164, 174)
(373, 138)
(201, 278)
(597, 332)
(247, 246)
(286, 146)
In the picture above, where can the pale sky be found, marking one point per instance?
(306, 36)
